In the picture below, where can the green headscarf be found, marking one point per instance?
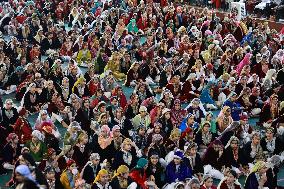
(132, 26)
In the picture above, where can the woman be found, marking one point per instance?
(81, 150)
(270, 111)
(192, 159)
(167, 98)
(156, 113)
(143, 91)
(232, 156)
(230, 181)
(257, 177)
(25, 178)
(212, 159)
(80, 88)
(9, 115)
(271, 143)
(138, 174)
(102, 144)
(31, 99)
(177, 113)
(207, 182)
(85, 115)
(102, 180)
(133, 106)
(69, 175)
(177, 169)
(224, 119)
(142, 118)
(37, 147)
(155, 169)
(84, 56)
(50, 160)
(93, 83)
(166, 122)
(121, 179)
(91, 169)
(114, 65)
(44, 119)
(52, 179)
(126, 156)
(204, 136)
(65, 89)
(72, 134)
(133, 75)
(10, 151)
(252, 151)
(22, 127)
(119, 119)
(120, 96)
(209, 116)
(173, 141)
(189, 122)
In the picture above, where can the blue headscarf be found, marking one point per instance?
(183, 124)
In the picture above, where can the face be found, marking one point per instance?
(73, 166)
(206, 127)
(142, 131)
(190, 120)
(50, 175)
(256, 140)
(195, 186)
(208, 182)
(231, 179)
(43, 116)
(35, 139)
(9, 105)
(96, 161)
(168, 115)
(177, 106)
(127, 147)
(234, 144)
(193, 151)
(269, 134)
(275, 100)
(86, 104)
(143, 113)
(154, 160)
(19, 177)
(22, 161)
(116, 133)
(177, 161)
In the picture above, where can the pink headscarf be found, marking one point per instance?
(243, 63)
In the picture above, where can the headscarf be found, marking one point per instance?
(244, 62)
(11, 137)
(259, 165)
(233, 138)
(25, 172)
(142, 162)
(99, 175)
(38, 134)
(132, 28)
(79, 81)
(122, 169)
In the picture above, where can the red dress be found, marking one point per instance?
(23, 129)
(212, 187)
(138, 178)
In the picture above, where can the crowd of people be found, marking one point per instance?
(72, 64)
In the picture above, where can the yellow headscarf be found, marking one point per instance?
(121, 170)
(101, 172)
(175, 133)
(259, 165)
(80, 80)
